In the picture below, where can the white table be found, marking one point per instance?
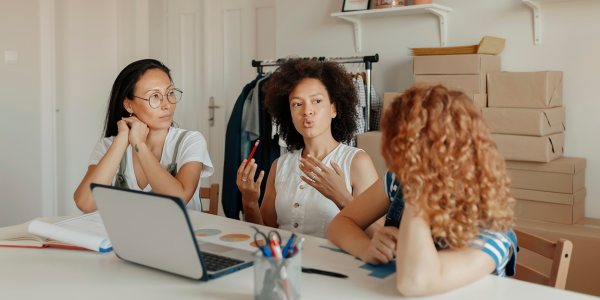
(53, 273)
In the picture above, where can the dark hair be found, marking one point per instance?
(123, 88)
(339, 86)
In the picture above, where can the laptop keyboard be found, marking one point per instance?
(216, 263)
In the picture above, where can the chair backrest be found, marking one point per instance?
(559, 253)
(211, 193)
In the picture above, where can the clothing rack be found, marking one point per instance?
(367, 60)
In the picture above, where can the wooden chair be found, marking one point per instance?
(211, 193)
(559, 253)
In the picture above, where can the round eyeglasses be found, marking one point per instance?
(155, 100)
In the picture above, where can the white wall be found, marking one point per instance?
(571, 43)
(94, 41)
(20, 154)
(86, 60)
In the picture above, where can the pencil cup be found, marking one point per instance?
(277, 278)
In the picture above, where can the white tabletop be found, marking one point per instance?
(53, 273)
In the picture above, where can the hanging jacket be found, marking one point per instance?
(269, 142)
(231, 196)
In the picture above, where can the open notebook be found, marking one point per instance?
(79, 232)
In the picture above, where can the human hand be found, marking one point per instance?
(123, 129)
(249, 188)
(382, 249)
(138, 131)
(330, 183)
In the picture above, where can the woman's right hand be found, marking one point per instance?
(123, 129)
(382, 249)
(245, 182)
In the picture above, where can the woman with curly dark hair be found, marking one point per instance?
(447, 197)
(314, 107)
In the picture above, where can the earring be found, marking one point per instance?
(130, 114)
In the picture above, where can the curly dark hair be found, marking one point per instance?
(339, 86)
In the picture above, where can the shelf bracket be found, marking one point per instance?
(537, 20)
(443, 16)
(357, 31)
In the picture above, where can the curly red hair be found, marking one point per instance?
(439, 147)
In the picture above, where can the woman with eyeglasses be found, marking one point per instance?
(141, 150)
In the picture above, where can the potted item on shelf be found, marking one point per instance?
(354, 5)
(389, 3)
(419, 2)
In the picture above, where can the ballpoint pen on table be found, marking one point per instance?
(322, 272)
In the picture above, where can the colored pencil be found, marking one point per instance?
(252, 153)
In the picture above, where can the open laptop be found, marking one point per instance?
(155, 231)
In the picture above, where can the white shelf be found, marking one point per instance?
(355, 17)
(536, 7)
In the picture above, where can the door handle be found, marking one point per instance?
(211, 110)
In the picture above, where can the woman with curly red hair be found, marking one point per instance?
(446, 195)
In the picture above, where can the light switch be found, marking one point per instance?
(11, 57)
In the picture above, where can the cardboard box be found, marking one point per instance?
(548, 197)
(525, 121)
(584, 269)
(568, 165)
(525, 90)
(530, 148)
(550, 212)
(468, 84)
(456, 64)
(480, 100)
(371, 143)
(564, 175)
(546, 181)
(388, 98)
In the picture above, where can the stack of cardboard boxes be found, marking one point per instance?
(464, 72)
(526, 116)
(527, 121)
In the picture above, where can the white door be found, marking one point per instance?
(211, 47)
(241, 31)
(184, 58)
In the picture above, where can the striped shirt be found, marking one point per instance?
(499, 245)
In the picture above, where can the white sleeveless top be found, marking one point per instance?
(301, 208)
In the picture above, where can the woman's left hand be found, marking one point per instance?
(138, 130)
(330, 183)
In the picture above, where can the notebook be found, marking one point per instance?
(80, 232)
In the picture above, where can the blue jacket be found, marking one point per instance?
(231, 197)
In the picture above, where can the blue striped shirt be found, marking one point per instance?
(501, 246)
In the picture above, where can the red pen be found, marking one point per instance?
(252, 153)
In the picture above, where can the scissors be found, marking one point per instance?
(267, 241)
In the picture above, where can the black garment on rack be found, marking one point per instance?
(231, 196)
(267, 151)
(270, 149)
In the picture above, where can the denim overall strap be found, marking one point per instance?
(121, 181)
(394, 214)
(172, 168)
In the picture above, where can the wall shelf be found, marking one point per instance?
(536, 7)
(356, 17)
